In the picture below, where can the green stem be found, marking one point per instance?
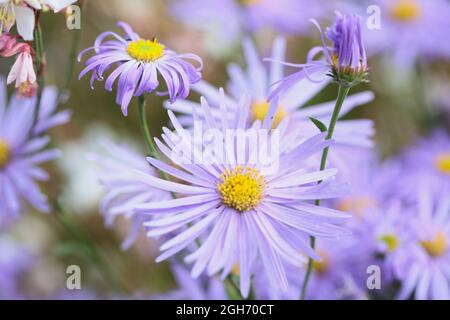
(151, 148)
(232, 289)
(40, 66)
(342, 94)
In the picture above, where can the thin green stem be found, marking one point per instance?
(342, 94)
(40, 66)
(151, 148)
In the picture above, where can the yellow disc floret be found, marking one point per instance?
(405, 10)
(249, 2)
(391, 241)
(443, 163)
(321, 267)
(241, 188)
(145, 50)
(437, 246)
(5, 153)
(260, 109)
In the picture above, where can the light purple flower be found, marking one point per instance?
(266, 218)
(410, 30)
(14, 262)
(123, 190)
(428, 161)
(341, 274)
(423, 266)
(345, 62)
(255, 81)
(232, 18)
(138, 66)
(22, 150)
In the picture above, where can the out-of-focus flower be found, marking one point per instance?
(140, 64)
(14, 262)
(255, 82)
(245, 207)
(49, 117)
(341, 274)
(123, 190)
(22, 72)
(346, 62)
(10, 47)
(233, 18)
(428, 162)
(20, 12)
(189, 288)
(423, 264)
(411, 29)
(22, 150)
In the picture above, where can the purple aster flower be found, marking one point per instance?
(255, 81)
(49, 117)
(411, 29)
(232, 18)
(204, 288)
(341, 274)
(428, 161)
(22, 150)
(123, 189)
(140, 64)
(244, 204)
(14, 262)
(423, 266)
(345, 62)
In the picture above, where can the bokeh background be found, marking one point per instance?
(409, 103)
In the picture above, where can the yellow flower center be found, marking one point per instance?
(241, 189)
(322, 266)
(5, 153)
(443, 163)
(236, 271)
(405, 10)
(357, 205)
(391, 241)
(249, 2)
(145, 50)
(437, 246)
(260, 109)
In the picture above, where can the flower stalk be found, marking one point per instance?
(40, 66)
(342, 94)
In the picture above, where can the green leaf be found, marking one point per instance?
(319, 124)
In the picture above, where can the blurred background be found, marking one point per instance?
(410, 101)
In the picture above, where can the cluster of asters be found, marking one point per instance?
(229, 218)
(242, 216)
